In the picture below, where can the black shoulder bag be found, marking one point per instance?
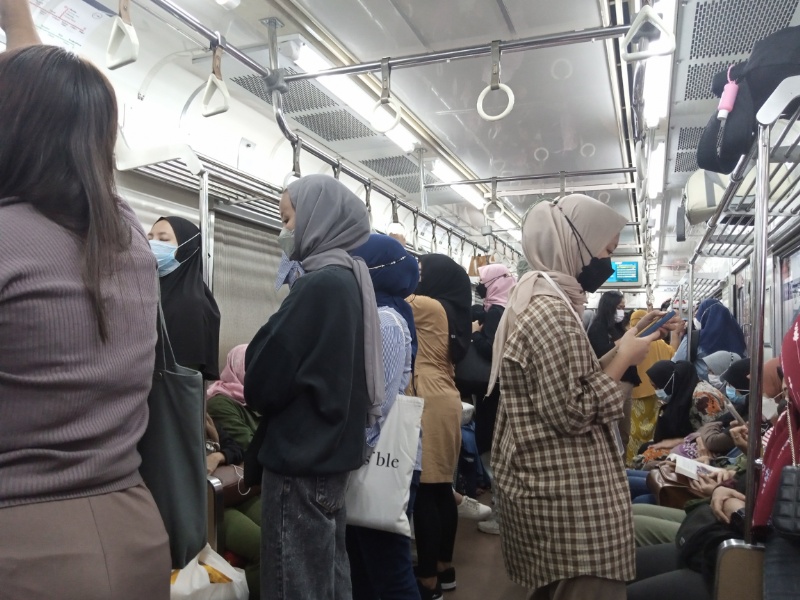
(786, 512)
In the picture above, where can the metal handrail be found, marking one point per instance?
(415, 60)
(533, 177)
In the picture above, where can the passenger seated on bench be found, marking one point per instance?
(226, 403)
(241, 525)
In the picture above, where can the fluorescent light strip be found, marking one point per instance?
(655, 171)
(349, 92)
(468, 192)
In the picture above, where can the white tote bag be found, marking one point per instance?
(193, 580)
(377, 494)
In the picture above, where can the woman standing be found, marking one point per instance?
(380, 561)
(441, 309)
(566, 529)
(315, 374)
(607, 327)
(78, 302)
(644, 408)
(190, 311)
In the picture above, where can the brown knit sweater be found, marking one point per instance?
(72, 409)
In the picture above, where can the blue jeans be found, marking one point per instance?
(303, 549)
(781, 568)
(637, 480)
(380, 565)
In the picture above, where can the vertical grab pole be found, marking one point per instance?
(757, 321)
(204, 226)
(690, 320)
(423, 194)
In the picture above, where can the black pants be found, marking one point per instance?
(658, 576)
(485, 417)
(435, 523)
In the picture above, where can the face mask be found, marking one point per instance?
(769, 407)
(286, 242)
(480, 289)
(734, 396)
(697, 324)
(620, 316)
(595, 274)
(165, 256)
(662, 396)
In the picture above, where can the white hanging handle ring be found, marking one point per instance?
(216, 84)
(503, 88)
(391, 104)
(123, 44)
(386, 100)
(495, 85)
(647, 14)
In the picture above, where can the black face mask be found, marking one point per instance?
(480, 289)
(595, 274)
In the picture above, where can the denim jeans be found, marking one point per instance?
(781, 568)
(303, 549)
(380, 564)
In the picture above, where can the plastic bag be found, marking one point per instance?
(194, 580)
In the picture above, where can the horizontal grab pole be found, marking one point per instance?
(514, 178)
(414, 60)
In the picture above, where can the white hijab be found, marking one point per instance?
(551, 247)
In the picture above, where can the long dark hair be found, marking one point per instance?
(58, 126)
(607, 309)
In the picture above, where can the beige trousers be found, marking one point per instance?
(581, 588)
(107, 547)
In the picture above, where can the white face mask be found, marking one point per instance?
(697, 324)
(618, 318)
(769, 407)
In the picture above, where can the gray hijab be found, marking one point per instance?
(330, 220)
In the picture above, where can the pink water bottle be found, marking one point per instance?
(728, 97)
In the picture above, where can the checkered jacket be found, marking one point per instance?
(561, 480)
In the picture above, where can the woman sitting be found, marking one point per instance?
(226, 403)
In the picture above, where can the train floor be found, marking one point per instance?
(478, 560)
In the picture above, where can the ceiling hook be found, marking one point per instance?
(337, 168)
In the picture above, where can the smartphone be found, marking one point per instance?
(733, 411)
(658, 324)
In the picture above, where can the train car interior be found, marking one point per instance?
(451, 120)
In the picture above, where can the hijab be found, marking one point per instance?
(231, 381)
(738, 375)
(678, 379)
(718, 329)
(444, 280)
(395, 275)
(778, 454)
(719, 361)
(551, 246)
(191, 314)
(330, 221)
(498, 281)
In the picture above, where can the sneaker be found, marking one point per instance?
(473, 510)
(447, 579)
(429, 594)
(491, 527)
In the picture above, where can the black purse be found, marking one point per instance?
(786, 512)
(173, 451)
(473, 369)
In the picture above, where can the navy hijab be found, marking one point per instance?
(718, 329)
(395, 275)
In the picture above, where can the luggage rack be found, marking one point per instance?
(730, 230)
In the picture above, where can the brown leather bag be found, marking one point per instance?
(234, 489)
(670, 488)
(475, 262)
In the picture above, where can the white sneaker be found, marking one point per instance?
(491, 527)
(473, 510)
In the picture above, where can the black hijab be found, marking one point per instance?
(443, 279)
(190, 311)
(678, 380)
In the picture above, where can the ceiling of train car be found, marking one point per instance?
(711, 35)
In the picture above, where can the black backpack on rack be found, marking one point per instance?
(772, 60)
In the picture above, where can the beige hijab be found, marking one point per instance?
(551, 247)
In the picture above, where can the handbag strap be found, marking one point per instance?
(791, 435)
(164, 339)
